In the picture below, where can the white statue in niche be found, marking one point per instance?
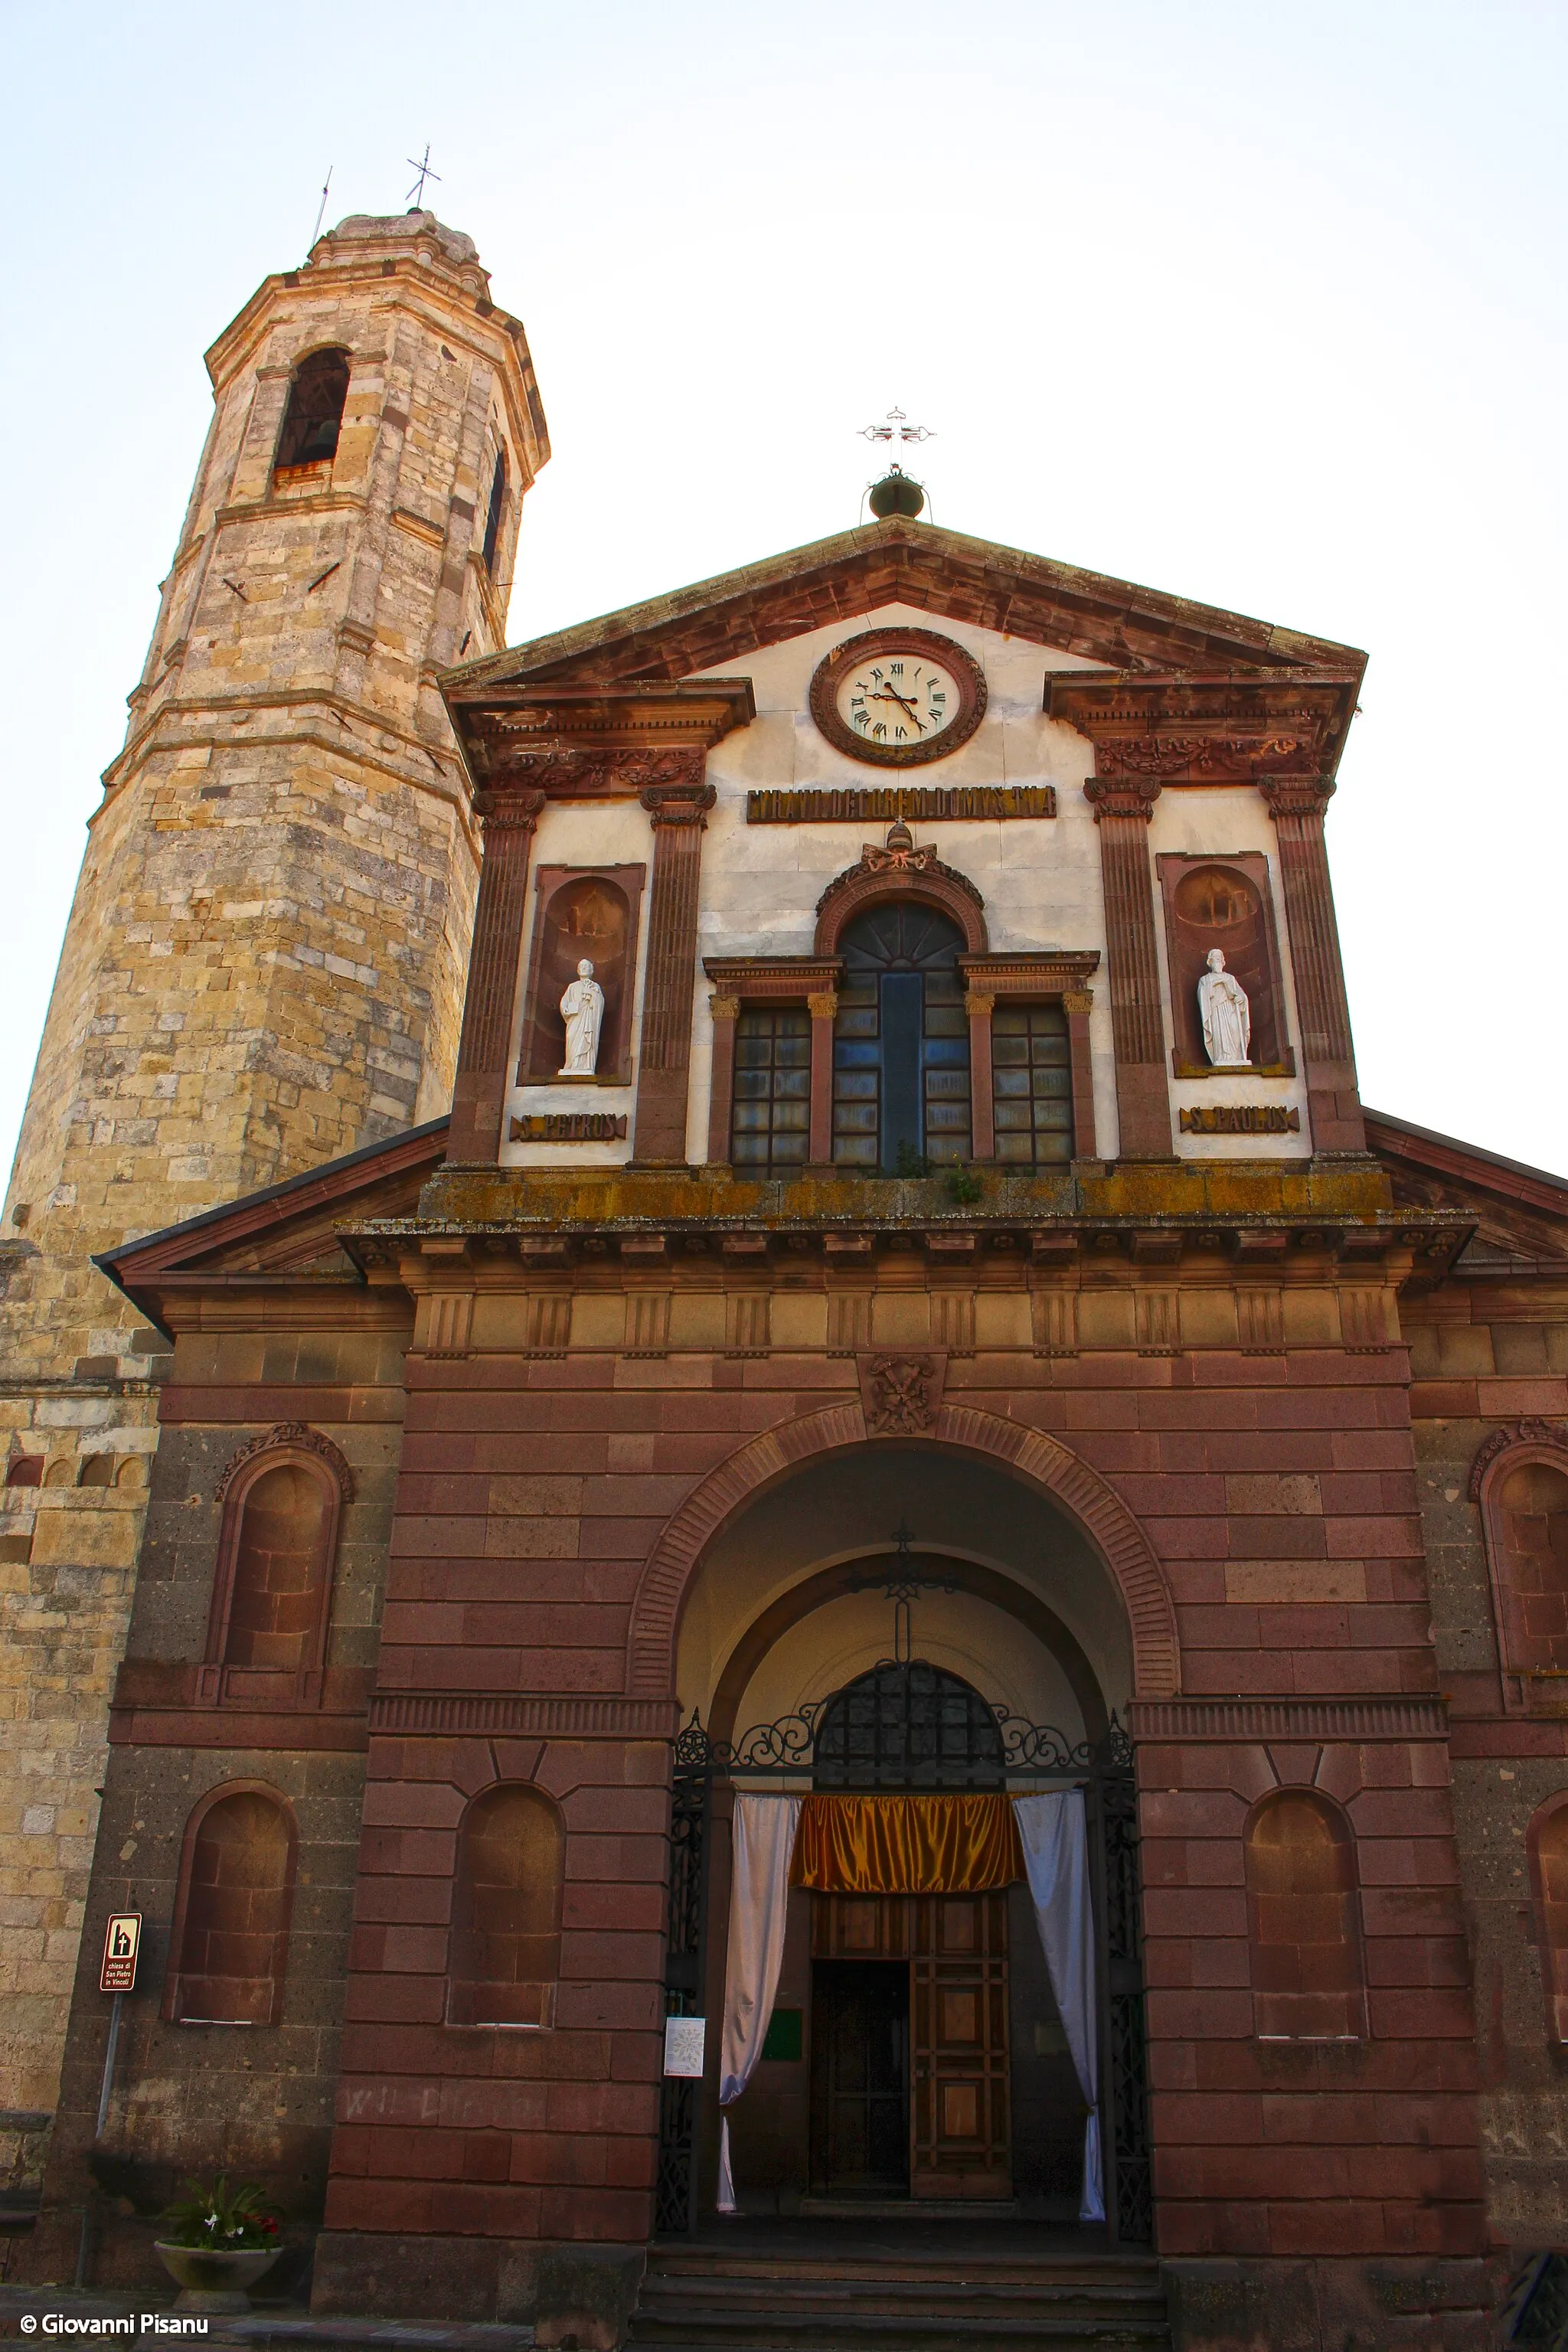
(583, 1009)
(1226, 1015)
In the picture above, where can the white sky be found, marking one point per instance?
(1254, 303)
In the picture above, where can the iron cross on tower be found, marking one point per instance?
(417, 190)
(897, 428)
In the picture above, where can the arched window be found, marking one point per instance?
(506, 1926)
(24, 1470)
(497, 512)
(315, 411)
(266, 1636)
(1547, 1845)
(1308, 1981)
(231, 1914)
(908, 1727)
(1522, 1489)
(900, 1043)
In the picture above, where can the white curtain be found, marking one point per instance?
(1054, 1832)
(763, 1842)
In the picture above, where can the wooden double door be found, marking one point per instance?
(909, 2090)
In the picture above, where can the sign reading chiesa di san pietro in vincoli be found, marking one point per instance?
(797, 1584)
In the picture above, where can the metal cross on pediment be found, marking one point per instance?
(900, 1581)
(417, 190)
(897, 428)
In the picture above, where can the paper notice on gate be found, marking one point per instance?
(685, 2046)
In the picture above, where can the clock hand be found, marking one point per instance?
(907, 707)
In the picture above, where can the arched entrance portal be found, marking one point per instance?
(899, 1626)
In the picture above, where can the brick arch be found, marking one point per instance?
(1088, 1500)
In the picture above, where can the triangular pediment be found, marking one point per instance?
(283, 1231)
(1111, 622)
(1520, 1214)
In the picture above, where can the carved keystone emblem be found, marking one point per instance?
(901, 1396)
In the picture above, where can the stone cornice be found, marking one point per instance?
(1052, 968)
(501, 729)
(773, 978)
(1181, 726)
(441, 1715)
(1398, 1717)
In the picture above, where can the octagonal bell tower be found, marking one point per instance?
(264, 965)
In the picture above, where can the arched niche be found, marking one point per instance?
(581, 913)
(282, 1497)
(229, 1940)
(505, 1954)
(1546, 1844)
(1308, 1978)
(1520, 1481)
(1224, 903)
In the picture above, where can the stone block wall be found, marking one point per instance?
(1489, 1352)
(199, 2098)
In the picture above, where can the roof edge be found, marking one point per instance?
(1271, 640)
(393, 1146)
(1450, 1155)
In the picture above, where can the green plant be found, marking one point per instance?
(908, 1161)
(963, 1186)
(226, 2220)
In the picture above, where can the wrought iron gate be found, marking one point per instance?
(810, 1747)
(675, 2198)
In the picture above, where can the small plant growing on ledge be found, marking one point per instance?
(911, 1162)
(222, 2221)
(965, 1187)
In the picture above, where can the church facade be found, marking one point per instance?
(906, 1573)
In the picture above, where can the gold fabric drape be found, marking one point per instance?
(906, 1846)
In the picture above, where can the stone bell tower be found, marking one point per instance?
(264, 964)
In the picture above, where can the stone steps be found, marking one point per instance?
(697, 2300)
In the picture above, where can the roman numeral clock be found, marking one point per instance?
(898, 697)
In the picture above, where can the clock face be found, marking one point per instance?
(895, 698)
(898, 697)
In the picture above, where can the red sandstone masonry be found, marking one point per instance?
(613, 1452)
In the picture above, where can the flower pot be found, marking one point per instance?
(215, 2278)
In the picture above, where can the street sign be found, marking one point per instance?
(122, 1942)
